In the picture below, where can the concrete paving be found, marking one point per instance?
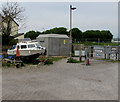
(61, 81)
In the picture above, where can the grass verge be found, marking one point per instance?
(109, 60)
(100, 43)
(49, 60)
(72, 60)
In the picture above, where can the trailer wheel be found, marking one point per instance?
(18, 65)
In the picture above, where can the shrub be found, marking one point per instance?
(42, 59)
(71, 60)
(56, 58)
(6, 64)
(48, 61)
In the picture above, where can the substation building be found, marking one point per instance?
(56, 44)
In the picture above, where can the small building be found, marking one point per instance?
(56, 44)
(14, 27)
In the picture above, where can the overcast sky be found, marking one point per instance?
(88, 16)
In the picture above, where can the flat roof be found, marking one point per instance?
(53, 35)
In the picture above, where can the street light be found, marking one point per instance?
(71, 8)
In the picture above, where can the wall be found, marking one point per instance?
(14, 29)
(64, 47)
(55, 46)
(43, 42)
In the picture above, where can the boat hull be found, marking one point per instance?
(29, 58)
(26, 52)
(27, 55)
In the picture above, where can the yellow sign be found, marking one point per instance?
(64, 41)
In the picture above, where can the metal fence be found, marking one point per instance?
(104, 52)
(107, 52)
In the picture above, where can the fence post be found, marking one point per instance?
(104, 52)
(108, 56)
(105, 55)
(91, 51)
(108, 51)
(118, 53)
(80, 57)
(116, 56)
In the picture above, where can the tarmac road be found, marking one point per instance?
(61, 81)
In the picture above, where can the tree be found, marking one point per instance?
(32, 34)
(60, 30)
(10, 11)
(76, 34)
(106, 36)
(97, 36)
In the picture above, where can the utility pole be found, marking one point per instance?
(71, 8)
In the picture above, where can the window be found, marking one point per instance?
(41, 41)
(13, 47)
(31, 45)
(37, 44)
(23, 46)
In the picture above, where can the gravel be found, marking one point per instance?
(61, 81)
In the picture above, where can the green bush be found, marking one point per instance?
(56, 58)
(5, 64)
(71, 60)
(48, 61)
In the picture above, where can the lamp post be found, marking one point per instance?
(71, 8)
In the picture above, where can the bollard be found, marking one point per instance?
(87, 56)
(87, 61)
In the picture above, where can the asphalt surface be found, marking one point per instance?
(61, 81)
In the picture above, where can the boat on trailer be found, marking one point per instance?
(28, 50)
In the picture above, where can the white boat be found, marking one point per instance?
(28, 49)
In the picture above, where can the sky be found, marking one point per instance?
(42, 16)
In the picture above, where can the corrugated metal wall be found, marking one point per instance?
(55, 46)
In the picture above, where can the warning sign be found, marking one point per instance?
(64, 41)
